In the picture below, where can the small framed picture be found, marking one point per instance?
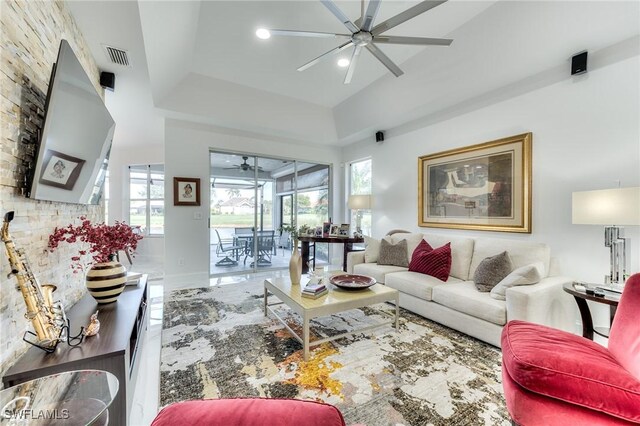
(186, 191)
(319, 231)
(326, 229)
(344, 230)
(334, 231)
(60, 170)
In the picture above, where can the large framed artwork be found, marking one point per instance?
(186, 191)
(60, 170)
(482, 187)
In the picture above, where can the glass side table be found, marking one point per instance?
(71, 398)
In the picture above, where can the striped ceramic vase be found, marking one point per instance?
(105, 281)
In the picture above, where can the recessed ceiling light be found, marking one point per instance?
(343, 62)
(263, 33)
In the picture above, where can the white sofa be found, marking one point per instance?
(457, 303)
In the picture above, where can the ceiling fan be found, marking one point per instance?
(363, 34)
(244, 166)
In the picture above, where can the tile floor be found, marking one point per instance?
(146, 395)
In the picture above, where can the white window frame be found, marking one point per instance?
(147, 199)
(350, 212)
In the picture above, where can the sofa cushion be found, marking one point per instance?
(429, 261)
(376, 271)
(525, 275)
(570, 368)
(393, 254)
(491, 271)
(371, 249)
(464, 297)
(415, 283)
(522, 253)
(461, 252)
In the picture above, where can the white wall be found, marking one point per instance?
(585, 136)
(119, 162)
(187, 148)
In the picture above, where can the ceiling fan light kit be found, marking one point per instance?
(363, 34)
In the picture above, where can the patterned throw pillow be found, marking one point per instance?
(393, 254)
(430, 261)
(491, 271)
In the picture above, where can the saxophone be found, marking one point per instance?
(47, 317)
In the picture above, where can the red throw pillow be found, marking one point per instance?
(434, 262)
(423, 246)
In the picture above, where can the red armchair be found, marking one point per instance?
(551, 377)
(249, 412)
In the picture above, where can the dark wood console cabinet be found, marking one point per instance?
(115, 348)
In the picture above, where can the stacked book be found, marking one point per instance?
(133, 278)
(313, 291)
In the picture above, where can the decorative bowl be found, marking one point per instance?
(352, 281)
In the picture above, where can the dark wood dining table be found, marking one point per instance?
(347, 242)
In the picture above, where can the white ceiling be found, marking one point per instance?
(201, 61)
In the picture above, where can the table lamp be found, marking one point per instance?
(359, 203)
(612, 208)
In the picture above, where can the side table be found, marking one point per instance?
(581, 297)
(70, 398)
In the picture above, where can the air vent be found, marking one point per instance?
(117, 56)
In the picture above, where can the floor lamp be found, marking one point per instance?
(611, 208)
(359, 203)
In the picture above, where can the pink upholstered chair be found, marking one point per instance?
(551, 377)
(249, 412)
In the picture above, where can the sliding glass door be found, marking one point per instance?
(251, 199)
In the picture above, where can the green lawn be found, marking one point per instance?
(232, 220)
(242, 220)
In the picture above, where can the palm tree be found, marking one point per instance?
(233, 192)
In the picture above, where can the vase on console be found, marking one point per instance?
(97, 245)
(105, 281)
(295, 264)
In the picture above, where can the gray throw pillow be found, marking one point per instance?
(525, 275)
(393, 254)
(491, 271)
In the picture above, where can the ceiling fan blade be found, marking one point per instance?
(326, 55)
(340, 15)
(352, 64)
(401, 17)
(358, 21)
(414, 40)
(308, 34)
(370, 15)
(384, 59)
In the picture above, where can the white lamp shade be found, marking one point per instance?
(359, 202)
(619, 206)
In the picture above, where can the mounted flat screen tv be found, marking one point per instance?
(72, 158)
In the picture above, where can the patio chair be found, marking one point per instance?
(226, 246)
(265, 246)
(284, 241)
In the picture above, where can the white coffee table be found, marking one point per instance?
(336, 301)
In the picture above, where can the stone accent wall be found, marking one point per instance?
(30, 37)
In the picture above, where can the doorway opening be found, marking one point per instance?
(252, 197)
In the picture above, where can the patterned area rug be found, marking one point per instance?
(217, 343)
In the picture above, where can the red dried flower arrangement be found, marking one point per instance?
(104, 240)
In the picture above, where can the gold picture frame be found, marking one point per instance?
(484, 187)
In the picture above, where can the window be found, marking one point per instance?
(106, 197)
(146, 198)
(360, 184)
